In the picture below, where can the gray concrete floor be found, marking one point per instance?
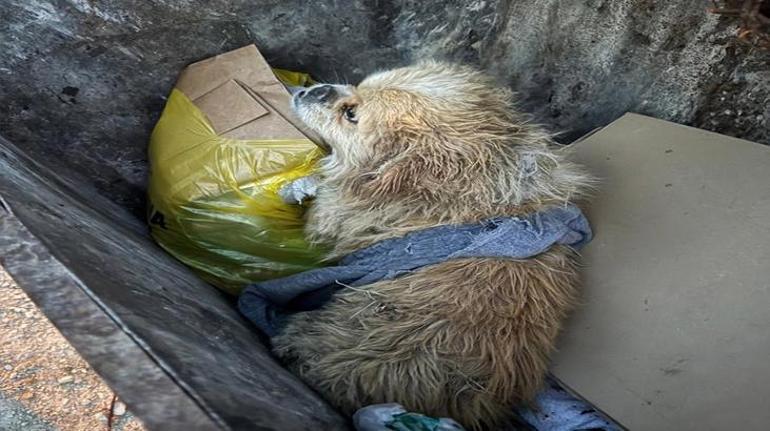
(44, 384)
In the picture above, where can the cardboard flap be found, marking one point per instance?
(230, 106)
(242, 98)
(244, 64)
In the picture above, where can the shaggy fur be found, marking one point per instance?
(413, 148)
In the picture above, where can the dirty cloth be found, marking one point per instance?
(267, 303)
(558, 410)
(555, 410)
(390, 417)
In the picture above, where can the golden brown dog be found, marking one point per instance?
(414, 148)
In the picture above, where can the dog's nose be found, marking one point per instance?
(322, 93)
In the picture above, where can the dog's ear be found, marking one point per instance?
(407, 173)
(420, 167)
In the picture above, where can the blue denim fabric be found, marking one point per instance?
(266, 304)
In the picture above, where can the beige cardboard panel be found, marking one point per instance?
(271, 127)
(275, 96)
(244, 64)
(225, 110)
(229, 106)
(674, 330)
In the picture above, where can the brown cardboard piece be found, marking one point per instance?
(241, 97)
(672, 333)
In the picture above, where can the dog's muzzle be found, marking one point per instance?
(322, 93)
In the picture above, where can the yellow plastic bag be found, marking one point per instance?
(294, 79)
(214, 201)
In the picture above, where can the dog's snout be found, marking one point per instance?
(320, 93)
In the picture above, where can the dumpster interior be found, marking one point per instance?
(82, 84)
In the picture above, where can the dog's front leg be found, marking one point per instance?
(299, 190)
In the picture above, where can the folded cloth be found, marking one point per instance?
(554, 409)
(557, 410)
(267, 304)
(393, 417)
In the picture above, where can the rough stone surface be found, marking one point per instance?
(82, 82)
(580, 65)
(15, 417)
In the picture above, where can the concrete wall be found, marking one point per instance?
(82, 82)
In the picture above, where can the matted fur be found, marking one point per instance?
(434, 144)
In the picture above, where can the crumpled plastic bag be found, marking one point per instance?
(214, 202)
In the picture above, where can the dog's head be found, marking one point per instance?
(431, 131)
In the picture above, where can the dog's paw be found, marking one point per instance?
(299, 190)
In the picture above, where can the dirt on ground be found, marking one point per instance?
(44, 383)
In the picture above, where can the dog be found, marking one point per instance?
(413, 148)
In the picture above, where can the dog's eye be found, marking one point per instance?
(349, 112)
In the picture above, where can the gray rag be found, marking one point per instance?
(267, 304)
(558, 410)
(555, 410)
(390, 417)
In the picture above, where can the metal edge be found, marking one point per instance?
(96, 335)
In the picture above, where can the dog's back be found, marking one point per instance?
(466, 339)
(415, 148)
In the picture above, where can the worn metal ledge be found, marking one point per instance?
(173, 347)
